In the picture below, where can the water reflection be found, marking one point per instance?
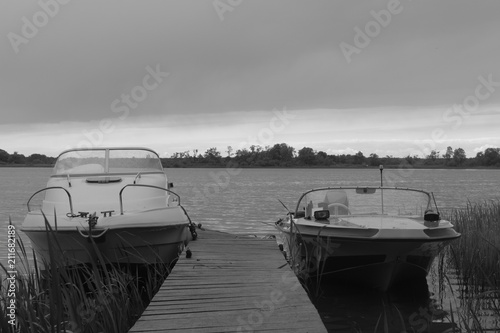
(441, 303)
(405, 308)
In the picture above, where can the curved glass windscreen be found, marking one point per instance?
(133, 161)
(105, 161)
(366, 201)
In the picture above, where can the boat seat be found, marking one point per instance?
(338, 208)
(336, 202)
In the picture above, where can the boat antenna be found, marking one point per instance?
(381, 167)
(281, 202)
(435, 203)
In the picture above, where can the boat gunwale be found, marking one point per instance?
(371, 239)
(76, 221)
(75, 228)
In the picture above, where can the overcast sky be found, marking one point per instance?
(386, 77)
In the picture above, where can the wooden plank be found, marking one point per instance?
(231, 284)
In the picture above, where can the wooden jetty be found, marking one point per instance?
(231, 284)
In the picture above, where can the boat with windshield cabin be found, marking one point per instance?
(376, 236)
(114, 204)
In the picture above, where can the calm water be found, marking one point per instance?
(246, 202)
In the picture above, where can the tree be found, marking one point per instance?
(212, 155)
(183, 154)
(282, 153)
(433, 156)
(307, 156)
(4, 156)
(322, 154)
(359, 158)
(374, 159)
(255, 148)
(449, 154)
(17, 158)
(390, 160)
(459, 156)
(321, 158)
(492, 156)
(229, 151)
(36, 159)
(479, 159)
(410, 159)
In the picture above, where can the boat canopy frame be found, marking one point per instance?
(145, 185)
(52, 188)
(119, 194)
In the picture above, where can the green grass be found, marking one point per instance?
(99, 297)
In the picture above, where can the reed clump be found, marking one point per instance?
(307, 262)
(476, 255)
(99, 297)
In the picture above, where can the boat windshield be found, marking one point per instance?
(99, 161)
(366, 201)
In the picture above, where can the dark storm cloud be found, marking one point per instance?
(263, 54)
(89, 61)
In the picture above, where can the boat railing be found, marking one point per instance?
(145, 185)
(53, 188)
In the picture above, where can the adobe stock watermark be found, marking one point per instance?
(123, 105)
(372, 29)
(289, 281)
(455, 116)
(223, 6)
(460, 112)
(11, 302)
(31, 26)
(222, 178)
(404, 172)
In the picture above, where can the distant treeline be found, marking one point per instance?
(20, 159)
(283, 155)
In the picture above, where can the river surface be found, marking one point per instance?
(245, 201)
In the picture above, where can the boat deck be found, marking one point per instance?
(231, 284)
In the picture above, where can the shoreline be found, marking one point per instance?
(432, 167)
(26, 165)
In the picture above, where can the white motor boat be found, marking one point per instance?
(376, 236)
(111, 204)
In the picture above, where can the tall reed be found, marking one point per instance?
(99, 297)
(475, 258)
(307, 261)
(476, 255)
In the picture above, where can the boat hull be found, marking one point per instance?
(143, 238)
(373, 262)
